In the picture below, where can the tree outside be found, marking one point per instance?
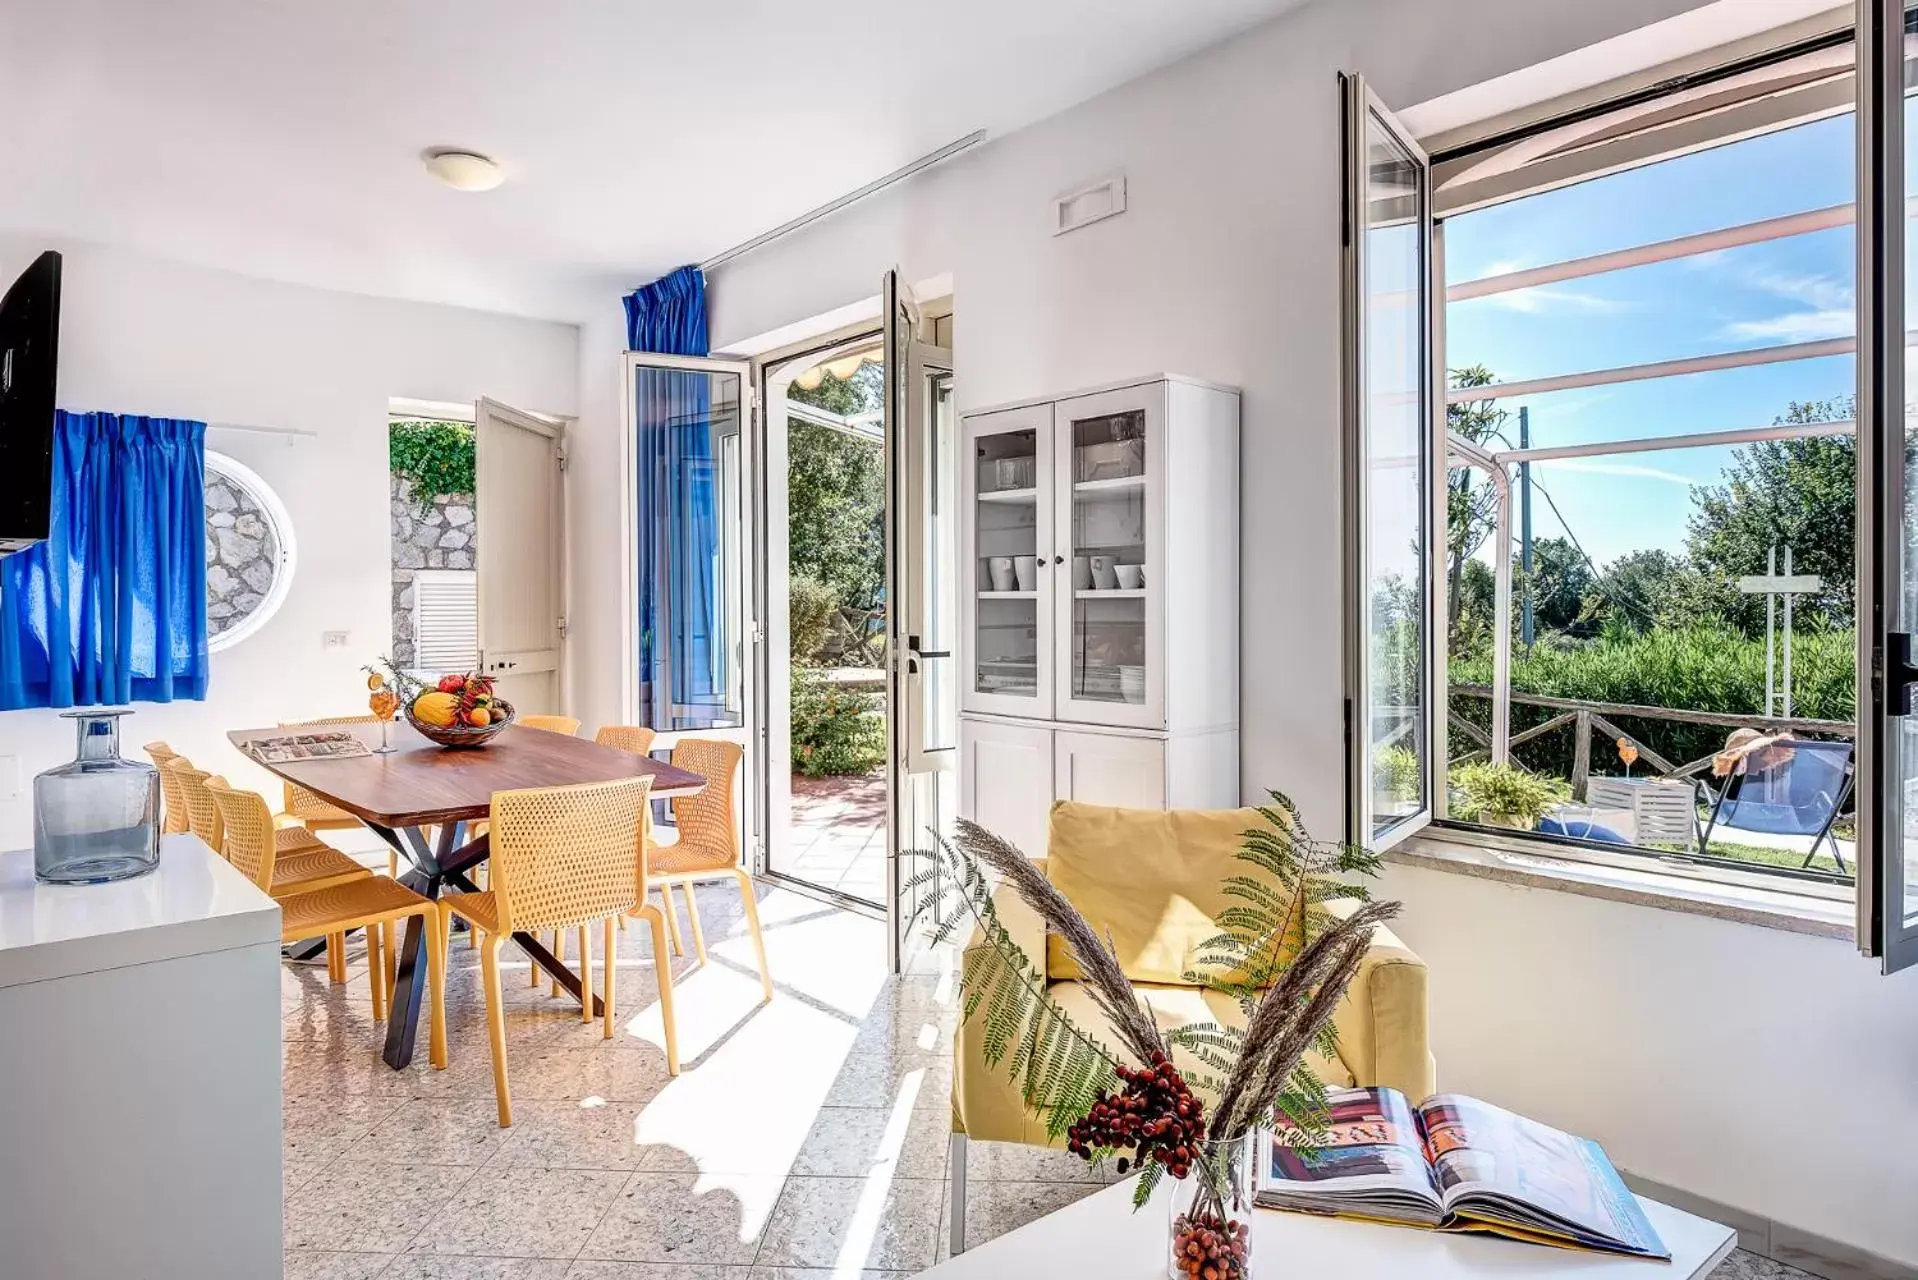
(837, 548)
(1664, 627)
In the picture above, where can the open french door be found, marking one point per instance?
(520, 566)
(1887, 497)
(922, 602)
(686, 619)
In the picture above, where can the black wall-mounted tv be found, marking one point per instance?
(29, 360)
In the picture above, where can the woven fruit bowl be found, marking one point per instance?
(457, 736)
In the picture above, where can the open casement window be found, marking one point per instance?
(1389, 396)
(1887, 496)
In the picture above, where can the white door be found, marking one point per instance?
(521, 562)
(1109, 768)
(1108, 645)
(1006, 773)
(1006, 564)
(922, 701)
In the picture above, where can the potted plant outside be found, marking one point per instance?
(1501, 795)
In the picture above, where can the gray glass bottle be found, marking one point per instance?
(98, 818)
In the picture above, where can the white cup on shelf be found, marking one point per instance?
(1000, 569)
(1103, 577)
(1081, 573)
(1131, 576)
(1025, 570)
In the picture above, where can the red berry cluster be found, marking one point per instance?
(1208, 1247)
(1155, 1115)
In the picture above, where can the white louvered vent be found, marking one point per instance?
(445, 620)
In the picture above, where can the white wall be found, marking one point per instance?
(139, 335)
(595, 522)
(1226, 265)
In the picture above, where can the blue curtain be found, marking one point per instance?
(681, 614)
(111, 608)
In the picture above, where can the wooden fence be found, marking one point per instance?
(1585, 717)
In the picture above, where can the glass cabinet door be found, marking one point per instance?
(1008, 571)
(1110, 464)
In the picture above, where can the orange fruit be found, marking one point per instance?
(479, 717)
(375, 681)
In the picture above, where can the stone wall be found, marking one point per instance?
(442, 533)
(242, 553)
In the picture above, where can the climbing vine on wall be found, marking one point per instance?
(435, 457)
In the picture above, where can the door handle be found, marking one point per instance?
(1901, 675)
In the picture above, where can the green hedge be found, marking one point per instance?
(436, 457)
(835, 730)
(1702, 669)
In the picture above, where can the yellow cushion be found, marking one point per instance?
(1145, 879)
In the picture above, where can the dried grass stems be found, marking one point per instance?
(1290, 1018)
(1105, 981)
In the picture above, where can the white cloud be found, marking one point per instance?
(1600, 467)
(1827, 308)
(1797, 326)
(1542, 299)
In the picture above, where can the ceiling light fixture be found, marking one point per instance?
(463, 170)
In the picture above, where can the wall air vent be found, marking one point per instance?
(1103, 199)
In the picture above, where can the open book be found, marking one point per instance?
(1456, 1164)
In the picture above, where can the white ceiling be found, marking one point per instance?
(280, 138)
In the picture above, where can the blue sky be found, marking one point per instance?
(1793, 290)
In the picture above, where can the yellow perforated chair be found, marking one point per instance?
(708, 844)
(561, 858)
(566, 725)
(306, 811)
(173, 819)
(638, 739)
(301, 807)
(366, 902)
(301, 861)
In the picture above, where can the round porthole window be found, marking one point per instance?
(249, 552)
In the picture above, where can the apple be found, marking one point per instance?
(452, 684)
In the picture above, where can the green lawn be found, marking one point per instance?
(1731, 851)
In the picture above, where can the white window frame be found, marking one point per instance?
(1878, 887)
(282, 523)
(1361, 107)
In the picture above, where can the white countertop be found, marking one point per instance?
(192, 903)
(1102, 1236)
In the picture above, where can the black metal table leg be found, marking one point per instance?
(409, 975)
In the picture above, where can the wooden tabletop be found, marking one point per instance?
(421, 783)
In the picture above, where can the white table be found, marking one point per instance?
(140, 1073)
(1102, 1237)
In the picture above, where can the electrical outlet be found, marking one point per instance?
(335, 639)
(9, 778)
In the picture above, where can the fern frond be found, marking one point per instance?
(1148, 1179)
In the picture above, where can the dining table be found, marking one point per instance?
(421, 799)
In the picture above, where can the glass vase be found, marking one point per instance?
(1211, 1216)
(97, 818)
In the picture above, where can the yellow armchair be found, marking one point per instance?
(1148, 881)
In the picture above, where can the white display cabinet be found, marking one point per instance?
(1099, 546)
